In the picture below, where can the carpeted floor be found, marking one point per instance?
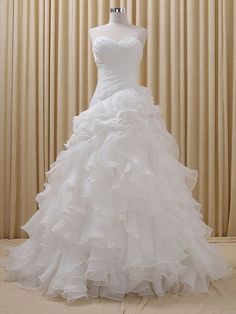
(220, 300)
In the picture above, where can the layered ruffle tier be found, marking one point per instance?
(117, 214)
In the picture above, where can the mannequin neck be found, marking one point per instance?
(118, 17)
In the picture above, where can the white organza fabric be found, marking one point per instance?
(117, 215)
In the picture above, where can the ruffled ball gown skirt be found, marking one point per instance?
(117, 215)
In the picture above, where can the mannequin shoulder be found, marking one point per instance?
(92, 32)
(143, 31)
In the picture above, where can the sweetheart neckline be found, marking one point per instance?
(118, 41)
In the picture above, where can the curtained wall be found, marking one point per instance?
(48, 75)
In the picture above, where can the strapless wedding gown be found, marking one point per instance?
(117, 215)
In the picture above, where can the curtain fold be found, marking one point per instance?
(48, 75)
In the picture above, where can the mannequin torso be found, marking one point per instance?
(118, 28)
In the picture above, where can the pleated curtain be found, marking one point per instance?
(48, 75)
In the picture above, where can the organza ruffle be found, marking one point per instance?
(117, 214)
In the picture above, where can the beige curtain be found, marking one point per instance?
(48, 75)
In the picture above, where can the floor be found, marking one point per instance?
(220, 300)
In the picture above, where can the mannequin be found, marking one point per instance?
(118, 27)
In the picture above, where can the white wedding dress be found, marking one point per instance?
(117, 215)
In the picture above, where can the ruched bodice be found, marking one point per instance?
(117, 63)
